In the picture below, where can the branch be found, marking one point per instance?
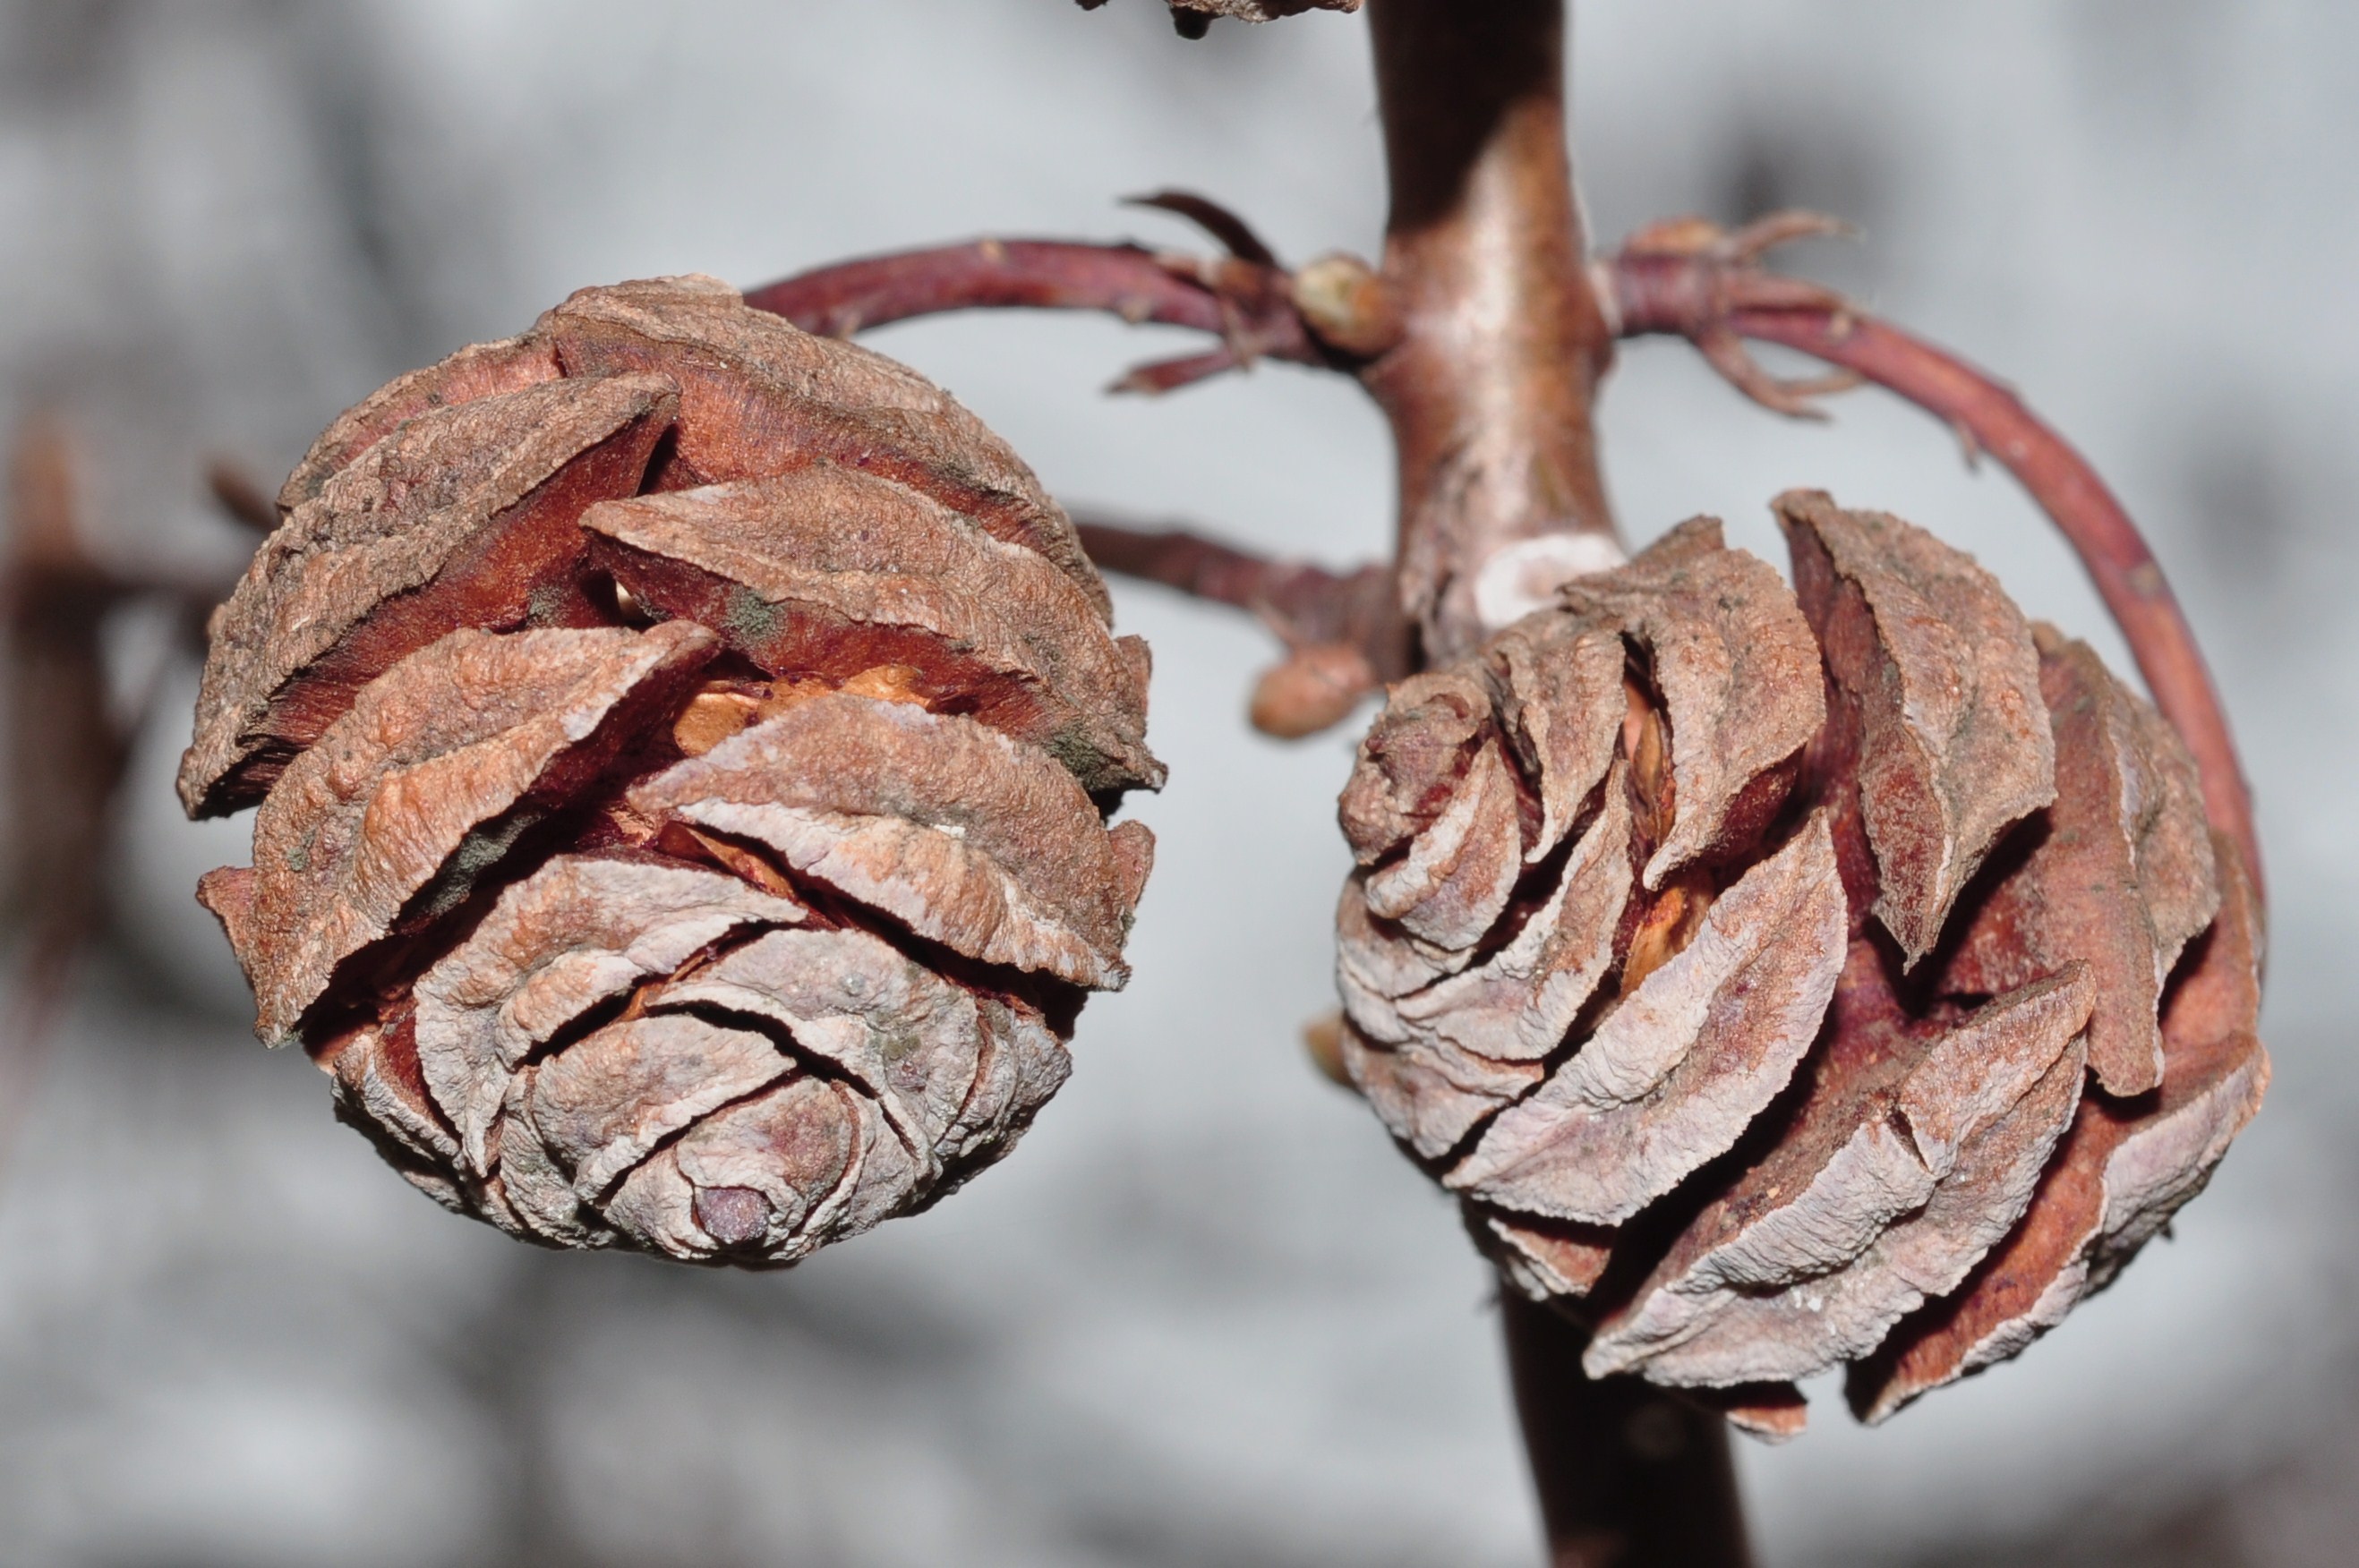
(1344, 633)
(68, 740)
(1489, 390)
(1299, 602)
(1247, 302)
(1711, 293)
(66, 748)
(1489, 396)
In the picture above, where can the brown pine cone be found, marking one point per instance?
(1788, 978)
(683, 747)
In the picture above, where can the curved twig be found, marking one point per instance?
(1247, 302)
(1236, 236)
(1707, 296)
(239, 498)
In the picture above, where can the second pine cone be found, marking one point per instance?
(684, 748)
(1787, 979)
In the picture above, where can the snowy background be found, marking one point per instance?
(1206, 1315)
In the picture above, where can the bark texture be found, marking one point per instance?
(684, 748)
(1787, 980)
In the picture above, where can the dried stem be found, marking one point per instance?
(1304, 604)
(1040, 274)
(1245, 300)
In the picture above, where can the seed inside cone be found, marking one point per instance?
(1890, 972)
(669, 839)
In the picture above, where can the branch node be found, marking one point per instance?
(1691, 276)
(1347, 305)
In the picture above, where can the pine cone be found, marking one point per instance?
(684, 746)
(1788, 978)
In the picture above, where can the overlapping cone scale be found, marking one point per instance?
(684, 749)
(1786, 979)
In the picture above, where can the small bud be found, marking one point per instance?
(1322, 1041)
(1315, 688)
(1347, 305)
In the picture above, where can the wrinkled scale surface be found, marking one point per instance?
(684, 748)
(1786, 979)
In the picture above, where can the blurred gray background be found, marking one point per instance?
(1206, 1315)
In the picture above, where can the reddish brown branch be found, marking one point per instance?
(1236, 236)
(1247, 302)
(1306, 605)
(67, 749)
(68, 740)
(1703, 296)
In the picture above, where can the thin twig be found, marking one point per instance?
(1305, 605)
(1245, 301)
(1236, 236)
(1344, 632)
(241, 499)
(1703, 296)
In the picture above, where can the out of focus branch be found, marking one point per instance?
(1628, 1474)
(67, 741)
(1689, 279)
(240, 498)
(66, 749)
